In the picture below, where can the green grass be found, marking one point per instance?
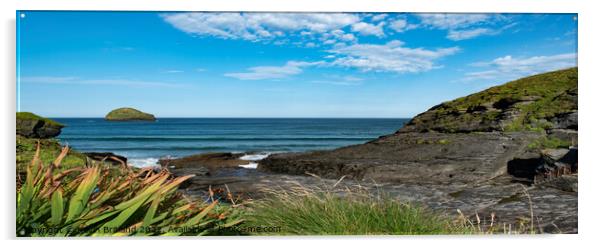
(543, 96)
(50, 149)
(549, 143)
(32, 116)
(306, 212)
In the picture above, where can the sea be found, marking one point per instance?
(144, 143)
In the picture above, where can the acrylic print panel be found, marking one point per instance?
(209, 123)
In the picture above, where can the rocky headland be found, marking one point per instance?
(509, 152)
(128, 114)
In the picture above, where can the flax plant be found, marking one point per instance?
(104, 200)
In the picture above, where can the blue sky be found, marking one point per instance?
(184, 64)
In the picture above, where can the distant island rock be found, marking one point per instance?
(31, 125)
(129, 114)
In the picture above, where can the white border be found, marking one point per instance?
(545, 6)
(589, 83)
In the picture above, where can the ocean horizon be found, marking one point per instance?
(144, 143)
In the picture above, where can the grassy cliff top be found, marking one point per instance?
(125, 114)
(32, 116)
(524, 104)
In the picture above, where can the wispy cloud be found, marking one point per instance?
(118, 49)
(453, 21)
(390, 57)
(508, 67)
(457, 35)
(465, 26)
(272, 72)
(340, 80)
(173, 71)
(80, 81)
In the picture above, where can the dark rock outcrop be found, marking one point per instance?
(30, 125)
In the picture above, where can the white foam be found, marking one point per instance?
(143, 162)
(249, 165)
(255, 157)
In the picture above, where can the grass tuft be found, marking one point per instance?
(314, 212)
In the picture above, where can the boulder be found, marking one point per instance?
(128, 114)
(33, 126)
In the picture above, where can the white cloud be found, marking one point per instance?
(390, 57)
(364, 28)
(464, 26)
(457, 35)
(401, 25)
(80, 81)
(273, 72)
(341, 35)
(380, 17)
(453, 21)
(508, 67)
(173, 71)
(258, 26)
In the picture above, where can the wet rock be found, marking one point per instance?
(210, 161)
